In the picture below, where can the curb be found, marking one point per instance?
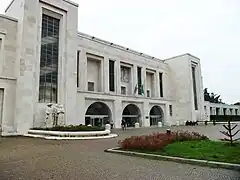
(177, 159)
(70, 138)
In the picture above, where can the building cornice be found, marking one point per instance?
(9, 5)
(104, 42)
(71, 2)
(8, 18)
(186, 54)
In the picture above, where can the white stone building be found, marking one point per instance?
(220, 109)
(45, 59)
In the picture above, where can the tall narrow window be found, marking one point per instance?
(224, 111)
(0, 44)
(111, 76)
(78, 55)
(194, 87)
(211, 111)
(139, 76)
(161, 84)
(48, 80)
(236, 111)
(170, 110)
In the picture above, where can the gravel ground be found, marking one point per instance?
(37, 159)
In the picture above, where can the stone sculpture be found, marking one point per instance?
(54, 115)
(48, 117)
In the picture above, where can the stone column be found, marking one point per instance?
(155, 85)
(145, 115)
(134, 80)
(117, 113)
(81, 109)
(83, 71)
(118, 75)
(106, 74)
(27, 55)
(144, 81)
(70, 58)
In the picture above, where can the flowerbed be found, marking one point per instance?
(158, 141)
(72, 128)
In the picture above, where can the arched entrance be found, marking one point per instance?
(131, 115)
(98, 114)
(156, 115)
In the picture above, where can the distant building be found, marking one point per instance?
(45, 59)
(220, 109)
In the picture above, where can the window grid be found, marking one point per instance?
(49, 59)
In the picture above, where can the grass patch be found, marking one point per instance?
(71, 128)
(204, 150)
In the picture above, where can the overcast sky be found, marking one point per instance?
(208, 29)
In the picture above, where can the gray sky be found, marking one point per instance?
(208, 29)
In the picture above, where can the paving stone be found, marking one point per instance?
(38, 159)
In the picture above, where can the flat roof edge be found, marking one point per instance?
(8, 17)
(87, 36)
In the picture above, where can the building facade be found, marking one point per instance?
(220, 109)
(44, 59)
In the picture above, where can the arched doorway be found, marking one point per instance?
(131, 115)
(98, 114)
(156, 115)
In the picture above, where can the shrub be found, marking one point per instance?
(72, 128)
(157, 141)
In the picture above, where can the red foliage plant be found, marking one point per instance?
(157, 141)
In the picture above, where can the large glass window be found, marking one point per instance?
(49, 59)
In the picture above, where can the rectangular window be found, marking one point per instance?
(48, 80)
(236, 111)
(161, 84)
(111, 76)
(170, 110)
(148, 93)
(139, 77)
(78, 56)
(90, 86)
(194, 87)
(123, 90)
(1, 44)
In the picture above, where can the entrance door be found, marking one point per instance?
(1, 107)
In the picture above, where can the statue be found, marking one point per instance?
(48, 117)
(60, 112)
(54, 115)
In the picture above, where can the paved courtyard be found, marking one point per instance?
(30, 159)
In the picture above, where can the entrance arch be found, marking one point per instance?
(156, 115)
(131, 114)
(98, 114)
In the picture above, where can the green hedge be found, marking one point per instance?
(72, 128)
(222, 118)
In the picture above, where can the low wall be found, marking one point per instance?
(67, 133)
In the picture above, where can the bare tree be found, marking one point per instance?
(229, 133)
